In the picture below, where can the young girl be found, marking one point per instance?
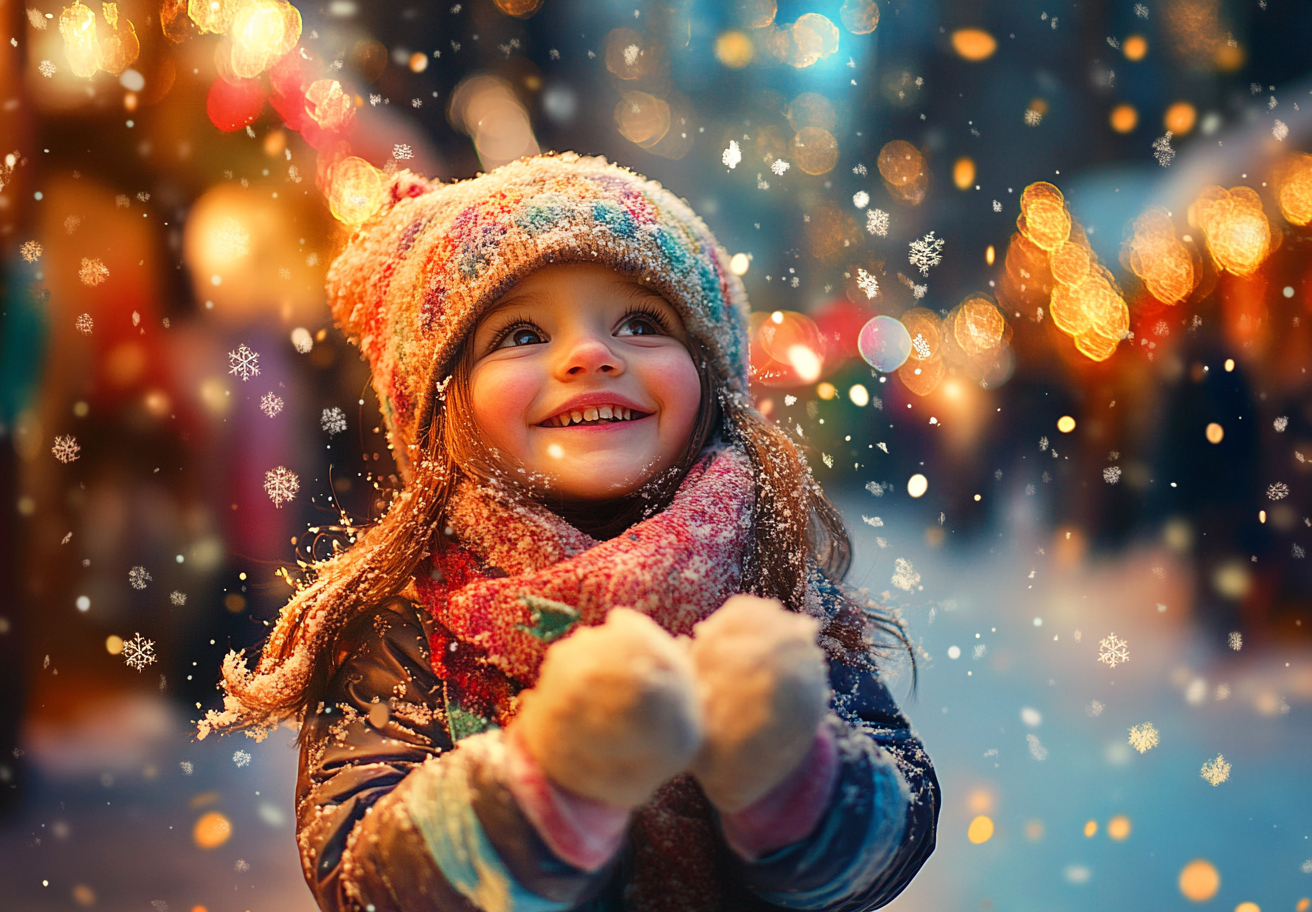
(595, 656)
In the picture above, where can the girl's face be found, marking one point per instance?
(582, 376)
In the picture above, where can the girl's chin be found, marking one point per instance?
(576, 475)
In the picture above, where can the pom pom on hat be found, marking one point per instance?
(415, 278)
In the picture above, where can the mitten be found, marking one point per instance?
(764, 690)
(615, 712)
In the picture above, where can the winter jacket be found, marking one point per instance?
(390, 818)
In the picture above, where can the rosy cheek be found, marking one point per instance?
(502, 393)
(672, 380)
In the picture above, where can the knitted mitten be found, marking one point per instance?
(615, 711)
(764, 690)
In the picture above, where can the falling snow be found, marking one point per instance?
(241, 758)
(1162, 150)
(860, 199)
(1281, 423)
(1278, 491)
(178, 598)
(187, 767)
(867, 283)
(1280, 130)
(271, 404)
(732, 155)
(1296, 551)
(138, 577)
(1113, 651)
(92, 272)
(779, 167)
(904, 577)
(1094, 709)
(281, 485)
(926, 252)
(1216, 771)
(1143, 738)
(1235, 640)
(997, 206)
(877, 222)
(921, 347)
(1141, 11)
(66, 449)
(1037, 750)
(1111, 474)
(402, 152)
(333, 420)
(139, 652)
(30, 251)
(84, 324)
(46, 69)
(244, 363)
(1032, 117)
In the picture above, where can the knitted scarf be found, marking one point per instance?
(521, 577)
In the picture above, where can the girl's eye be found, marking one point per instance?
(642, 325)
(520, 335)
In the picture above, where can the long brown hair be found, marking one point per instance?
(794, 522)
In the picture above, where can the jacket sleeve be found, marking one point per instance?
(392, 816)
(880, 825)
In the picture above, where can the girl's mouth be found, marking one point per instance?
(593, 417)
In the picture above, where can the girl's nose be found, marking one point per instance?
(590, 355)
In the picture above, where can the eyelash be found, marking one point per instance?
(521, 322)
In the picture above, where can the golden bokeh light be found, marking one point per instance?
(980, 829)
(1237, 231)
(757, 14)
(1163, 263)
(1199, 880)
(328, 105)
(355, 190)
(1180, 118)
(212, 16)
(1034, 830)
(642, 118)
(1028, 278)
(990, 255)
(1118, 827)
(1135, 47)
(1293, 181)
(1090, 828)
(1215, 433)
(816, 38)
(904, 172)
(1229, 365)
(262, 32)
(114, 645)
(211, 830)
(1124, 118)
(1065, 424)
(77, 26)
(734, 49)
(963, 173)
(1070, 263)
(1043, 216)
(860, 17)
(520, 9)
(1248, 907)
(977, 325)
(418, 62)
(973, 44)
(814, 151)
(811, 109)
(117, 49)
(917, 485)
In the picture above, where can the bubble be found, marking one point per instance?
(884, 343)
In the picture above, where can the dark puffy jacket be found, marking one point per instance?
(383, 825)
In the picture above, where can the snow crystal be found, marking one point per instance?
(1216, 771)
(138, 577)
(271, 404)
(877, 222)
(139, 652)
(926, 252)
(1111, 474)
(281, 485)
(867, 283)
(904, 577)
(1162, 150)
(66, 448)
(241, 758)
(178, 598)
(779, 166)
(860, 199)
(333, 420)
(1281, 423)
(1144, 738)
(1280, 130)
(244, 363)
(732, 155)
(1037, 750)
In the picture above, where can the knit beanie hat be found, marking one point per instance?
(416, 277)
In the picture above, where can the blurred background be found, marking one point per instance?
(1073, 452)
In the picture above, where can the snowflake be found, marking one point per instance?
(271, 404)
(178, 598)
(242, 866)
(997, 206)
(122, 201)
(553, 54)
(1113, 651)
(926, 252)
(872, 520)
(374, 99)
(92, 272)
(138, 577)
(66, 448)
(1037, 750)
(30, 251)
(1281, 423)
(1296, 552)
(1162, 150)
(37, 20)
(416, 102)
(281, 485)
(1032, 117)
(762, 184)
(138, 652)
(241, 758)
(71, 223)
(1161, 329)
(1144, 738)
(877, 222)
(1141, 11)
(904, 577)
(244, 363)
(1278, 491)
(918, 291)
(875, 488)
(46, 69)
(1306, 867)
(1235, 640)
(402, 152)
(1280, 130)
(921, 347)
(333, 420)
(1111, 474)
(979, 651)
(1043, 444)
(867, 283)
(732, 155)
(779, 167)
(1216, 771)
(143, 196)
(312, 260)
(187, 767)
(860, 199)
(1079, 635)
(84, 324)
(631, 55)
(1094, 709)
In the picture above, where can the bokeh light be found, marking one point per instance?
(980, 829)
(1124, 118)
(262, 32)
(211, 830)
(1044, 219)
(973, 44)
(1135, 47)
(1118, 827)
(963, 173)
(814, 151)
(917, 485)
(860, 17)
(734, 49)
(355, 190)
(1065, 424)
(1199, 880)
(1162, 262)
(1180, 118)
(1215, 433)
(884, 343)
(904, 172)
(1293, 182)
(1237, 231)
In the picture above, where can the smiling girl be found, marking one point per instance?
(597, 655)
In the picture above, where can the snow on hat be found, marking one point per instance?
(416, 277)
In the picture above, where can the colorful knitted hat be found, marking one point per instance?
(415, 278)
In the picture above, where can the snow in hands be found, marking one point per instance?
(926, 252)
(244, 362)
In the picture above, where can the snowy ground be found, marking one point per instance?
(111, 809)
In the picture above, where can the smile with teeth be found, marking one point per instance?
(605, 414)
